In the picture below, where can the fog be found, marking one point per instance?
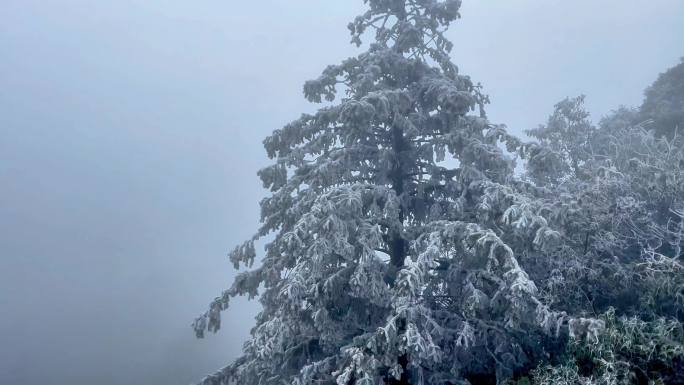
(130, 137)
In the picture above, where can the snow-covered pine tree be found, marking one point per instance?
(396, 222)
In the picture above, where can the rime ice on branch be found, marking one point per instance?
(397, 223)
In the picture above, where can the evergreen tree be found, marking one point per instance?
(396, 225)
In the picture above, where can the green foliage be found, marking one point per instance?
(629, 350)
(664, 102)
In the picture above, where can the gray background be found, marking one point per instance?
(130, 135)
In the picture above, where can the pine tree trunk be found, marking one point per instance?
(398, 243)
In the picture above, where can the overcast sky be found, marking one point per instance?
(130, 137)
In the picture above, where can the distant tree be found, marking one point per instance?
(572, 139)
(568, 133)
(664, 102)
(397, 224)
